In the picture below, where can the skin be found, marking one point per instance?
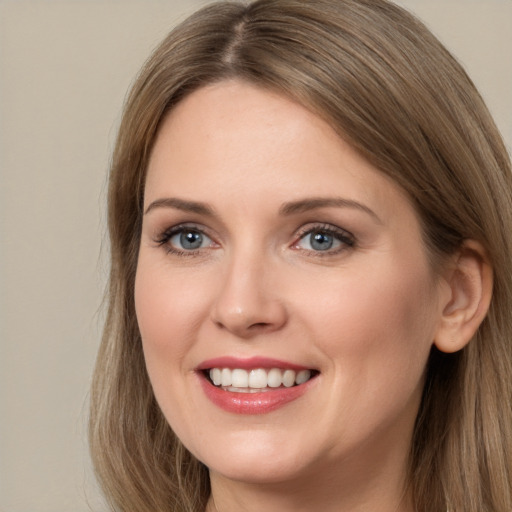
(364, 314)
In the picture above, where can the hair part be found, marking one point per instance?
(396, 95)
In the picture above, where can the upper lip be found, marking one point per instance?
(249, 363)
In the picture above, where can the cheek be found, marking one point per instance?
(168, 308)
(377, 333)
(379, 321)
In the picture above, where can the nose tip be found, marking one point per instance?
(246, 307)
(246, 323)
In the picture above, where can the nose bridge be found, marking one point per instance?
(248, 301)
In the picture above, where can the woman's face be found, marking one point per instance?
(275, 258)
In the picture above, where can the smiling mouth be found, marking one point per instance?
(257, 380)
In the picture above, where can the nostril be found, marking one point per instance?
(253, 318)
(258, 325)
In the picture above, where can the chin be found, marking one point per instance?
(256, 458)
(256, 472)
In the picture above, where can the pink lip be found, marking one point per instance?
(249, 363)
(251, 403)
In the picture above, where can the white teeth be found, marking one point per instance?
(258, 378)
(303, 376)
(215, 375)
(239, 378)
(288, 378)
(226, 379)
(274, 378)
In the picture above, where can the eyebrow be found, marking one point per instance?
(289, 208)
(182, 204)
(313, 203)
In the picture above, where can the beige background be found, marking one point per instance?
(64, 70)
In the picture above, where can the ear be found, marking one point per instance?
(470, 280)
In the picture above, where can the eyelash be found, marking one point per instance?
(167, 235)
(346, 239)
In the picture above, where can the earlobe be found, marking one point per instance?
(470, 281)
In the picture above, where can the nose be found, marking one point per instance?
(249, 302)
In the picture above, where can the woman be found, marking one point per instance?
(310, 294)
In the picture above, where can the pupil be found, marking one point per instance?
(191, 240)
(321, 241)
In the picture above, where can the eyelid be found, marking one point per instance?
(346, 238)
(166, 235)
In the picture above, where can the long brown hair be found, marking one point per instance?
(391, 90)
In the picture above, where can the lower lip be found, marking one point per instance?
(251, 403)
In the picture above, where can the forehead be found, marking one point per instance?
(234, 114)
(234, 139)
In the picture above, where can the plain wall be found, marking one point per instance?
(65, 67)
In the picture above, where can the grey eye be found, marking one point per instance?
(321, 241)
(189, 240)
(324, 239)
